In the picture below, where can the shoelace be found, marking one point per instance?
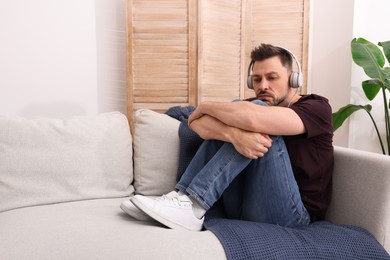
(163, 197)
(179, 201)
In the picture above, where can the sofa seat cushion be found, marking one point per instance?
(96, 229)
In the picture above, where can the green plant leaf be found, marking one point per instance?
(343, 113)
(386, 49)
(386, 72)
(387, 84)
(368, 56)
(371, 88)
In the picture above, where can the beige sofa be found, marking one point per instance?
(62, 181)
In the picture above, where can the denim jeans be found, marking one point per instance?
(261, 190)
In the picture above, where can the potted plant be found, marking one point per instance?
(372, 59)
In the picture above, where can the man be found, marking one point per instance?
(270, 158)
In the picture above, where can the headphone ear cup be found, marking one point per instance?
(296, 80)
(249, 81)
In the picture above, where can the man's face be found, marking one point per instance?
(271, 81)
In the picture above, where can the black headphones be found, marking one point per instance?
(296, 78)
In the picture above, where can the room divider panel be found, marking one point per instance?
(182, 52)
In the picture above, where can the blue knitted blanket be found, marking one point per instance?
(252, 240)
(320, 240)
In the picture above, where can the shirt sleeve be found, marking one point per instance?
(316, 114)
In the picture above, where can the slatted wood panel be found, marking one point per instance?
(182, 52)
(159, 53)
(219, 50)
(283, 23)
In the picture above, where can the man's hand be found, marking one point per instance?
(196, 114)
(250, 144)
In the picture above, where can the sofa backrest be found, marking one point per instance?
(47, 160)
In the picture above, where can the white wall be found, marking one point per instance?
(49, 57)
(330, 59)
(111, 55)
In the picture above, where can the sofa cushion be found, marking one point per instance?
(47, 160)
(156, 152)
(97, 229)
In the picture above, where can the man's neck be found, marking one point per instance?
(292, 97)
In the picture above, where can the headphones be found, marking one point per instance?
(296, 78)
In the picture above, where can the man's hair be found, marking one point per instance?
(265, 51)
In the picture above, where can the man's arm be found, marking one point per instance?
(248, 116)
(250, 144)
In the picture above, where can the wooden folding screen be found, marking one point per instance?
(182, 52)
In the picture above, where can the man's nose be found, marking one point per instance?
(263, 85)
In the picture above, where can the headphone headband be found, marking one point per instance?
(296, 78)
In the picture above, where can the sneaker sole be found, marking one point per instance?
(159, 218)
(141, 216)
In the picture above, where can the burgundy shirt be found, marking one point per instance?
(311, 154)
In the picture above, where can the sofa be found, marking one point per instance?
(62, 181)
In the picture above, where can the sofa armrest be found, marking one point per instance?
(361, 192)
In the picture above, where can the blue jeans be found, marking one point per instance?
(261, 190)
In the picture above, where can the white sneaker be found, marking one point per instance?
(131, 210)
(175, 213)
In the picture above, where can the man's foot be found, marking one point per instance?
(175, 213)
(131, 210)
